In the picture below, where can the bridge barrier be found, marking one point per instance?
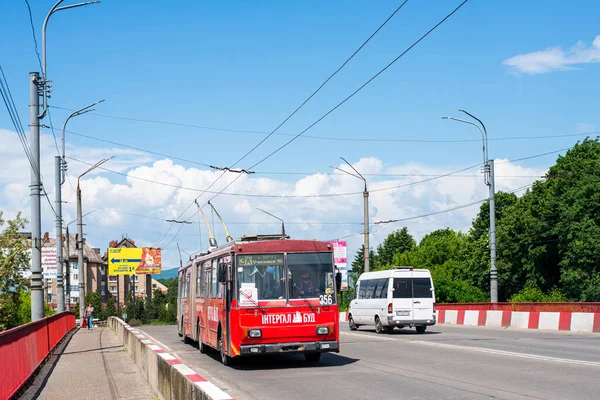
(573, 317)
(168, 376)
(24, 349)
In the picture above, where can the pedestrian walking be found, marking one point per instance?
(89, 316)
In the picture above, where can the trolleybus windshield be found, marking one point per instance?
(268, 277)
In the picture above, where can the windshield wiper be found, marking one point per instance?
(304, 298)
(254, 302)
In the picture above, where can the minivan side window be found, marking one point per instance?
(378, 289)
(384, 289)
(422, 287)
(370, 288)
(403, 288)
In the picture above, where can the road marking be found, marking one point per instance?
(509, 353)
(371, 337)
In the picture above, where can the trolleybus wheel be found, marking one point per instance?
(225, 359)
(312, 357)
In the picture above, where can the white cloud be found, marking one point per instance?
(116, 198)
(555, 58)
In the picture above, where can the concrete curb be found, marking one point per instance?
(553, 321)
(168, 376)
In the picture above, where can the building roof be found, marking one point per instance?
(88, 252)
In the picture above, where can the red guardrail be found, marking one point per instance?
(539, 307)
(24, 348)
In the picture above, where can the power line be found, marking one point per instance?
(33, 34)
(323, 84)
(362, 86)
(318, 137)
(297, 109)
(446, 210)
(137, 148)
(430, 178)
(348, 97)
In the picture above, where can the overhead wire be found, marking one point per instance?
(348, 97)
(395, 139)
(297, 109)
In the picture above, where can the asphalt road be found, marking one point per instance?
(447, 362)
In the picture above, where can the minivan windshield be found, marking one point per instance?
(406, 288)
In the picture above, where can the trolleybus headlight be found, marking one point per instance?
(322, 330)
(254, 333)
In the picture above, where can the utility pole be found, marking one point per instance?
(82, 269)
(488, 178)
(68, 272)
(60, 293)
(80, 256)
(37, 293)
(366, 249)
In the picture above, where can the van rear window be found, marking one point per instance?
(422, 287)
(406, 288)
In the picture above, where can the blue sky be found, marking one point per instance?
(246, 65)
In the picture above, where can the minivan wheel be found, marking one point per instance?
(421, 329)
(351, 323)
(378, 325)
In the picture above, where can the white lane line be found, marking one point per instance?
(368, 337)
(509, 353)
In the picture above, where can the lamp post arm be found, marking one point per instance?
(484, 133)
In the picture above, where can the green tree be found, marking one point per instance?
(396, 242)
(14, 260)
(358, 265)
(110, 310)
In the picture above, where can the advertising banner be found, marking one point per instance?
(49, 259)
(341, 261)
(123, 261)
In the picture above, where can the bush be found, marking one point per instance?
(536, 295)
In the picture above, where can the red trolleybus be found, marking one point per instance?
(261, 295)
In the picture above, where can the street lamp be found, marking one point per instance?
(45, 82)
(68, 265)
(82, 274)
(366, 212)
(60, 172)
(488, 178)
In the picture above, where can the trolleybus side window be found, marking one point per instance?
(198, 279)
(214, 281)
(181, 277)
(203, 283)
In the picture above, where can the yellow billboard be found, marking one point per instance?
(125, 261)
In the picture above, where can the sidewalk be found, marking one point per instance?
(94, 365)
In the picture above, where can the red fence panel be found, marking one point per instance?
(537, 307)
(24, 348)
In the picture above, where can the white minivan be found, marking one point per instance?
(398, 297)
